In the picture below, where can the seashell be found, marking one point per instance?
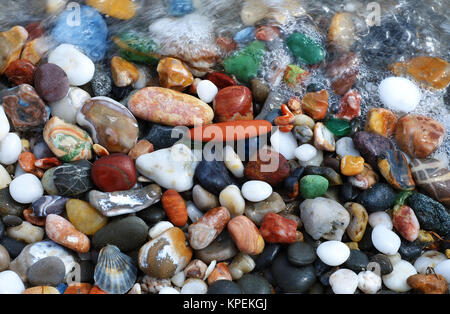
(67, 141)
(174, 207)
(115, 272)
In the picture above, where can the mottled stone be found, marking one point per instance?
(371, 145)
(73, 179)
(394, 168)
(12, 42)
(233, 103)
(51, 82)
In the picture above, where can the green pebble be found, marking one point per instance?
(338, 127)
(305, 49)
(136, 47)
(245, 64)
(313, 186)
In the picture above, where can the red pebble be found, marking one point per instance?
(405, 222)
(115, 172)
(267, 33)
(350, 107)
(286, 121)
(226, 44)
(233, 103)
(277, 229)
(35, 30)
(221, 80)
(47, 163)
(21, 72)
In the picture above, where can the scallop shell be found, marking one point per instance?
(115, 272)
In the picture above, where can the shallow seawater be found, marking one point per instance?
(407, 29)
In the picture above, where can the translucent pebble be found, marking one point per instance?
(399, 94)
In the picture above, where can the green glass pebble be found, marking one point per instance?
(137, 48)
(305, 49)
(245, 64)
(338, 127)
(313, 186)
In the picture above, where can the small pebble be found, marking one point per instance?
(344, 281)
(380, 218)
(399, 94)
(385, 240)
(256, 191)
(333, 253)
(369, 282)
(206, 91)
(29, 183)
(10, 149)
(396, 280)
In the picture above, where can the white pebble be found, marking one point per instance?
(428, 259)
(178, 279)
(443, 268)
(10, 283)
(233, 162)
(345, 146)
(344, 281)
(316, 161)
(333, 253)
(284, 143)
(232, 199)
(380, 218)
(194, 286)
(194, 213)
(385, 240)
(159, 228)
(207, 91)
(256, 191)
(396, 281)
(369, 282)
(78, 67)
(210, 269)
(395, 258)
(26, 189)
(10, 149)
(4, 124)
(5, 178)
(305, 152)
(168, 290)
(67, 108)
(399, 94)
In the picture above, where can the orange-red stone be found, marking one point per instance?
(315, 104)
(21, 72)
(233, 103)
(350, 107)
(115, 172)
(277, 229)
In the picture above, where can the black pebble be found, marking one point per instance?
(13, 247)
(357, 261)
(378, 197)
(2, 230)
(301, 254)
(254, 284)
(12, 221)
(152, 215)
(348, 192)
(384, 262)
(267, 256)
(224, 287)
(409, 251)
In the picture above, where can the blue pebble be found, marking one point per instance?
(90, 34)
(180, 7)
(61, 288)
(245, 35)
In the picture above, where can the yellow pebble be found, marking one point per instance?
(84, 217)
(120, 9)
(41, 290)
(123, 72)
(25, 145)
(352, 165)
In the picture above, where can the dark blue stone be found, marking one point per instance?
(213, 176)
(162, 136)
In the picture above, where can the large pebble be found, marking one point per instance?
(51, 82)
(78, 67)
(68, 107)
(84, 217)
(333, 253)
(49, 271)
(371, 145)
(443, 268)
(115, 172)
(10, 149)
(344, 281)
(385, 240)
(254, 284)
(26, 189)
(396, 280)
(63, 232)
(399, 94)
(203, 232)
(256, 191)
(203, 199)
(301, 254)
(72, 179)
(171, 168)
(246, 235)
(10, 283)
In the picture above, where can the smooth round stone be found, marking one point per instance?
(224, 287)
(4, 124)
(115, 172)
(301, 254)
(256, 191)
(443, 268)
(312, 186)
(385, 240)
(399, 94)
(291, 279)
(194, 286)
(51, 82)
(4, 258)
(396, 281)
(26, 189)
(344, 281)
(333, 253)
(221, 249)
(78, 67)
(5, 178)
(152, 215)
(357, 261)
(68, 107)
(344, 146)
(90, 35)
(409, 251)
(49, 271)
(203, 199)
(305, 152)
(233, 162)
(74, 178)
(11, 220)
(84, 217)
(267, 256)
(213, 176)
(206, 91)
(254, 284)
(10, 149)
(379, 197)
(10, 283)
(380, 218)
(257, 211)
(48, 204)
(13, 246)
(428, 259)
(284, 143)
(41, 150)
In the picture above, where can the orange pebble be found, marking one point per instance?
(219, 273)
(63, 232)
(175, 208)
(26, 161)
(97, 290)
(352, 165)
(29, 216)
(78, 288)
(41, 290)
(47, 163)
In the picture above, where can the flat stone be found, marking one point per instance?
(49, 271)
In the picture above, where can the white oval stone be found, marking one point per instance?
(233, 162)
(5, 178)
(369, 282)
(333, 253)
(4, 124)
(194, 213)
(171, 168)
(78, 67)
(26, 189)
(194, 286)
(443, 268)
(207, 91)
(345, 146)
(305, 152)
(396, 281)
(159, 228)
(178, 279)
(67, 108)
(168, 290)
(10, 283)
(428, 259)
(380, 218)
(10, 149)
(232, 199)
(399, 94)
(344, 281)
(256, 191)
(385, 240)
(284, 143)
